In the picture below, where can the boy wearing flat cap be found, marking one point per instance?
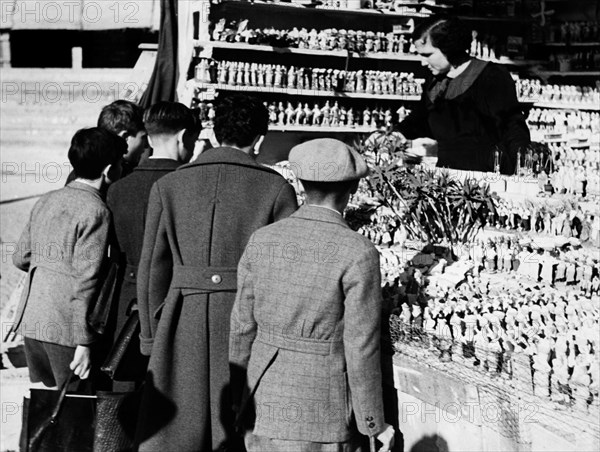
(305, 326)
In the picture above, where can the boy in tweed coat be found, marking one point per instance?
(305, 326)
(63, 249)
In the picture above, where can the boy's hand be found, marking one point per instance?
(386, 438)
(82, 362)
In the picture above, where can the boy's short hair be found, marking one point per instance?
(122, 115)
(169, 118)
(94, 149)
(239, 119)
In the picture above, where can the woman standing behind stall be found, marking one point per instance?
(470, 107)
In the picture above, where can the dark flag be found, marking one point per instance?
(163, 82)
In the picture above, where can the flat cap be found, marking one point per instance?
(327, 160)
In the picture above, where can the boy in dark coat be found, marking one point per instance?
(199, 220)
(172, 131)
(63, 250)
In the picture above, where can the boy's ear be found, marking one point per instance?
(258, 143)
(123, 134)
(180, 135)
(106, 170)
(149, 141)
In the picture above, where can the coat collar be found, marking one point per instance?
(223, 155)
(157, 164)
(451, 88)
(85, 187)
(466, 78)
(314, 213)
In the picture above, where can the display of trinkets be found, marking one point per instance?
(527, 89)
(564, 121)
(580, 96)
(565, 94)
(580, 31)
(328, 39)
(314, 79)
(331, 114)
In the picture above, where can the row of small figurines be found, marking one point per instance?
(533, 89)
(581, 156)
(326, 115)
(327, 39)
(583, 60)
(562, 379)
(538, 267)
(543, 220)
(580, 31)
(576, 179)
(563, 120)
(486, 47)
(316, 79)
(501, 347)
(539, 330)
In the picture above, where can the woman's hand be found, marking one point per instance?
(82, 362)
(422, 147)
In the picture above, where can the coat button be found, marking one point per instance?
(131, 274)
(369, 418)
(371, 424)
(216, 279)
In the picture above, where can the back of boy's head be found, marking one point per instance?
(239, 119)
(94, 149)
(168, 118)
(122, 116)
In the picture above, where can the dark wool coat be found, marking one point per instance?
(127, 199)
(477, 111)
(199, 220)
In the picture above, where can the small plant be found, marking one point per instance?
(432, 205)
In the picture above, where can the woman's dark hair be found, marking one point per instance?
(169, 118)
(239, 119)
(451, 36)
(94, 149)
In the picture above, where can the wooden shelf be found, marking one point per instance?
(339, 53)
(572, 44)
(304, 92)
(527, 100)
(274, 7)
(505, 19)
(405, 11)
(295, 51)
(567, 106)
(319, 129)
(569, 73)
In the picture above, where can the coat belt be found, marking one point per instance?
(210, 279)
(295, 343)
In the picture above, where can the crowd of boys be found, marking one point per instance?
(243, 299)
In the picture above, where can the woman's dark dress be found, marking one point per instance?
(468, 116)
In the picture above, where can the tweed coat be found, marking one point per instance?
(127, 199)
(63, 249)
(306, 329)
(199, 220)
